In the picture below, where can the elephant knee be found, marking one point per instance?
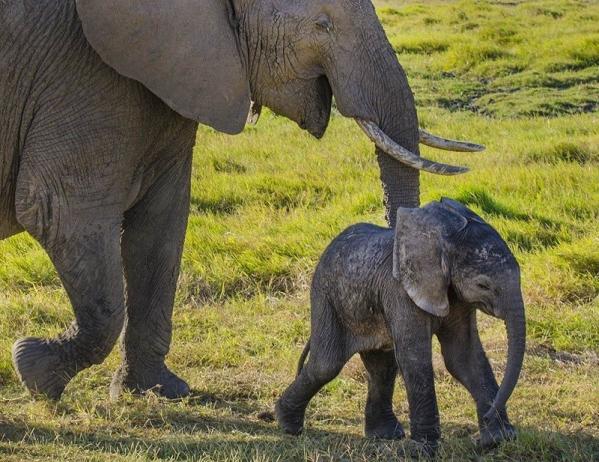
(96, 349)
(323, 371)
(451, 366)
(35, 209)
(93, 344)
(453, 362)
(98, 354)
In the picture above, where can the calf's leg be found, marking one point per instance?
(380, 421)
(466, 361)
(411, 330)
(327, 357)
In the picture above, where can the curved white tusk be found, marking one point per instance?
(401, 154)
(434, 141)
(254, 114)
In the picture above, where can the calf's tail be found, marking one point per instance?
(302, 360)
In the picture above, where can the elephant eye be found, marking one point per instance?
(483, 286)
(324, 23)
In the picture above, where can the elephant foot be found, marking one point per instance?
(40, 368)
(389, 429)
(493, 435)
(420, 450)
(290, 419)
(166, 384)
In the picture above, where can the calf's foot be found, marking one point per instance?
(290, 418)
(421, 449)
(388, 428)
(494, 433)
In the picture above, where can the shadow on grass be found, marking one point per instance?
(490, 206)
(218, 438)
(547, 235)
(189, 435)
(226, 205)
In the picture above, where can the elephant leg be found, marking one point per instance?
(380, 421)
(152, 244)
(411, 330)
(327, 357)
(290, 409)
(89, 264)
(466, 361)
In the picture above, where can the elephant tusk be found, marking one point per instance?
(401, 154)
(254, 114)
(428, 139)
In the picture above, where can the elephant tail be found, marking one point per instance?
(302, 360)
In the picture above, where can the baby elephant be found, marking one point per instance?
(383, 293)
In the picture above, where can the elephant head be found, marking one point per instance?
(445, 253)
(207, 59)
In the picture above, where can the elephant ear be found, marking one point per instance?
(184, 51)
(420, 261)
(461, 209)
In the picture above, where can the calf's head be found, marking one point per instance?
(445, 247)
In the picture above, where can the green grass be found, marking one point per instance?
(520, 77)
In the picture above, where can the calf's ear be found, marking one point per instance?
(184, 51)
(461, 210)
(420, 261)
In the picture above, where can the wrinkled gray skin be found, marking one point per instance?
(97, 167)
(384, 294)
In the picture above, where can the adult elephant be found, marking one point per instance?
(100, 105)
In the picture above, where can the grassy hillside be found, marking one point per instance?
(520, 77)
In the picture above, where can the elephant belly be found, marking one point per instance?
(8, 174)
(369, 333)
(11, 119)
(364, 321)
(9, 226)
(14, 85)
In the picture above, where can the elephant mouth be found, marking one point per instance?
(486, 308)
(317, 115)
(306, 101)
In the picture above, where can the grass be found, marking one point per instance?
(520, 77)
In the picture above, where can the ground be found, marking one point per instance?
(520, 77)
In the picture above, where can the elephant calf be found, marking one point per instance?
(383, 293)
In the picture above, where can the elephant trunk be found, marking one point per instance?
(382, 104)
(515, 324)
(401, 183)
(397, 137)
(370, 86)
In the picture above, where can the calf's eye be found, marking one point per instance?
(483, 286)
